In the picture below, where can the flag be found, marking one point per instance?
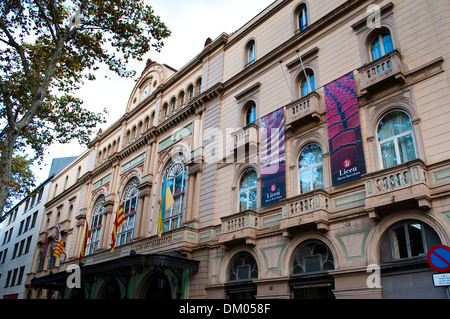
(167, 201)
(87, 234)
(59, 251)
(118, 223)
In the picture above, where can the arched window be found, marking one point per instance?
(248, 190)
(396, 139)
(181, 98)
(176, 174)
(307, 83)
(381, 45)
(407, 239)
(191, 92)
(250, 114)
(96, 226)
(199, 86)
(130, 201)
(174, 104)
(312, 256)
(302, 17)
(243, 267)
(310, 168)
(251, 53)
(165, 110)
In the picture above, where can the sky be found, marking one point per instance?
(191, 23)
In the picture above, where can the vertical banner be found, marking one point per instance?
(344, 130)
(273, 160)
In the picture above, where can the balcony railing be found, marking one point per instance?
(380, 71)
(246, 135)
(306, 209)
(399, 184)
(240, 227)
(303, 108)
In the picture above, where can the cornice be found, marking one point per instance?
(295, 42)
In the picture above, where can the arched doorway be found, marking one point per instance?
(110, 290)
(242, 271)
(156, 287)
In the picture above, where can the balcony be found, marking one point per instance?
(385, 70)
(244, 140)
(311, 209)
(240, 227)
(404, 186)
(303, 109)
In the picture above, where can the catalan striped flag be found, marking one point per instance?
(59, 250)
(118, 223)
(87, 234)
(167, 201)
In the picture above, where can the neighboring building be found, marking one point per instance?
(19, 236)
(198, 129)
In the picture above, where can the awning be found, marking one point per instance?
(171, 261)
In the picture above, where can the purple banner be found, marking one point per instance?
(273, 160)
(344, 130)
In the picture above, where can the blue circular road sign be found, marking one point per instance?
(439, 258)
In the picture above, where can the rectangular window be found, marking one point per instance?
(16, 246)
(388, 154)
(33, 222)
(406, 148)
(27, 246)
(21, 227)
(9, 235)
(8, 278)
(19, 280)
(22, 244)
(27, 223)
(4, 255)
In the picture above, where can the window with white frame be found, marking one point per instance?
(96, 226)
(248, 190)
(396, 139)
(310, 169)
(408, 239)
(130, 201)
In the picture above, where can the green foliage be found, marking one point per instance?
(48, 50)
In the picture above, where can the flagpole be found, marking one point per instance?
(304, 71)
(287, 82)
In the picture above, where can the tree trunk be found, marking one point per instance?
(5, 170)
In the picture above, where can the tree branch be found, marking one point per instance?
(42, 91)
(19, 50)
(44, 16)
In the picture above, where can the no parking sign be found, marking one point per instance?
(439, 258)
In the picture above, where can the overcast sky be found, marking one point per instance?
(191, 23)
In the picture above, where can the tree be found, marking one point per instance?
(48, 49)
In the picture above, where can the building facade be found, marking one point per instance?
(18, 239)
(19, 235)
(200, 129)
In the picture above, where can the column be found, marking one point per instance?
(109, 214)
(144, 193)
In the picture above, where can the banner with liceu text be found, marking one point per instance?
(344, 130)
(273, 160)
